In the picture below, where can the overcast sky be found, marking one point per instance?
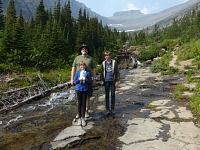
(107, 8)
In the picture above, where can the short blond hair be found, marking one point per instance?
(82, 63)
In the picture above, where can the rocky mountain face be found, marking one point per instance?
(125, 20)
(29, 7)
(135, 20)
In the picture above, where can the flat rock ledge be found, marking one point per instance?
(166, 127)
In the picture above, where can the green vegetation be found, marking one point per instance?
(49, 42)
(182, 37)
(52, 39)
(178, 95)
(195, 102)
(162, 65)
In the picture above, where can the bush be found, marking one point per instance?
(149, 54)
(195, 102)
(5, 68)
(158, 66)
(162, 65)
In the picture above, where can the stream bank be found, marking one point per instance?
(145, 116)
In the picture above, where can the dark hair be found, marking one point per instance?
(84, 46)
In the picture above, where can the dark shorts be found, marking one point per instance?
(90, 90)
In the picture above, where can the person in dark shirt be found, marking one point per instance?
(110, 77)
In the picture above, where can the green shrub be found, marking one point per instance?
(195, 102)
(149, 54)
(178, 92)
(5, 68)
(158, 66)
(162, 65)
(170, 70)
(189, 50)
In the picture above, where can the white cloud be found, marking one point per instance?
(131, 6)
(145, 11)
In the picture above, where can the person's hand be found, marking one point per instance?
(72, 82)
(116, 84)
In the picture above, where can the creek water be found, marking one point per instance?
(34, 125)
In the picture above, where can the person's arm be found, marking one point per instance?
(72, 75)
(102, 74)
(76, 78)
(94, 77)
(117, 74)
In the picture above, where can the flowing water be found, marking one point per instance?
(34, 125)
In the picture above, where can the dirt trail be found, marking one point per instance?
(180, 65)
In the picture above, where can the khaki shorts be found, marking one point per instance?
(90, 90)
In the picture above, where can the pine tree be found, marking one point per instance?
(68, 28)
(20, 43)
(57, 9)
(198, 21)
(11, 15)
(8, 35)
(1, 17)
(41, 17)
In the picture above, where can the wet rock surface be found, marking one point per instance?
(146, 117)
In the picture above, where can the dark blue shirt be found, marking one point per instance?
(82, 86)
(109, 72)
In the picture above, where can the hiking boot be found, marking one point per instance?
(107, 112)
(83, 122)
(112, 111)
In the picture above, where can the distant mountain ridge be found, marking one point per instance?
(124, 20)
(163, 18)
(29, 7)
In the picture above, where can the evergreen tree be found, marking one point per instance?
(8, 45)
(198, 21)
(1, 17)
(41, 17)
(68, 28)
(11, 15)
(20, 48)
(57, 13)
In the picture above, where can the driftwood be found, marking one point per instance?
(14, 98)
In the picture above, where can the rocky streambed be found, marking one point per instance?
(146, 117)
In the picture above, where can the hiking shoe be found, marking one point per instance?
(107, 112)
(112, 111)
(83, 122)
(79, 122)
(77, 116)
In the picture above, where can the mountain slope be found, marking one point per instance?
(164, 18)
(126, 20)
(29, 7)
